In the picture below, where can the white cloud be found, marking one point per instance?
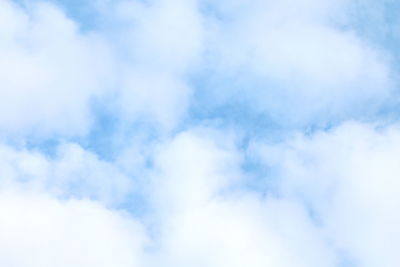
(349, 178)
(159, 43)
(155, 96)
(295, 54)
(58, 211)
(73, 172)
(204, 221)
(39, 231)
(336, 195)
(50, 69)
(141, 52)
(164, 35)
(49, 72)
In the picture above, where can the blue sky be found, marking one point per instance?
(177, 133)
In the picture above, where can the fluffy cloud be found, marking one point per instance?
(289, 54)
(61, 211)
(191, 133)
(73, 172)
(51, 68)
(334, 204)
(205, 219)
(37, 230)
(348, 178)
(161, 42)
(140, 59)
(48, 71)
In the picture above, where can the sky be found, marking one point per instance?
(176, 133)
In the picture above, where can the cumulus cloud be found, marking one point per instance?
(348, 178)
(156, 45)
(73, 172)
(205, 221)
(198, 133)
(50, 67)
(48, 71)
(300, 54)
(37, 230)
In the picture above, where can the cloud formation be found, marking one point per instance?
(48, 70)
(348, 178)
(198, 133)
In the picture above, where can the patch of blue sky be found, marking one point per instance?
(258, 106)
(376, 21)
(81, 12)
(105, 126)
